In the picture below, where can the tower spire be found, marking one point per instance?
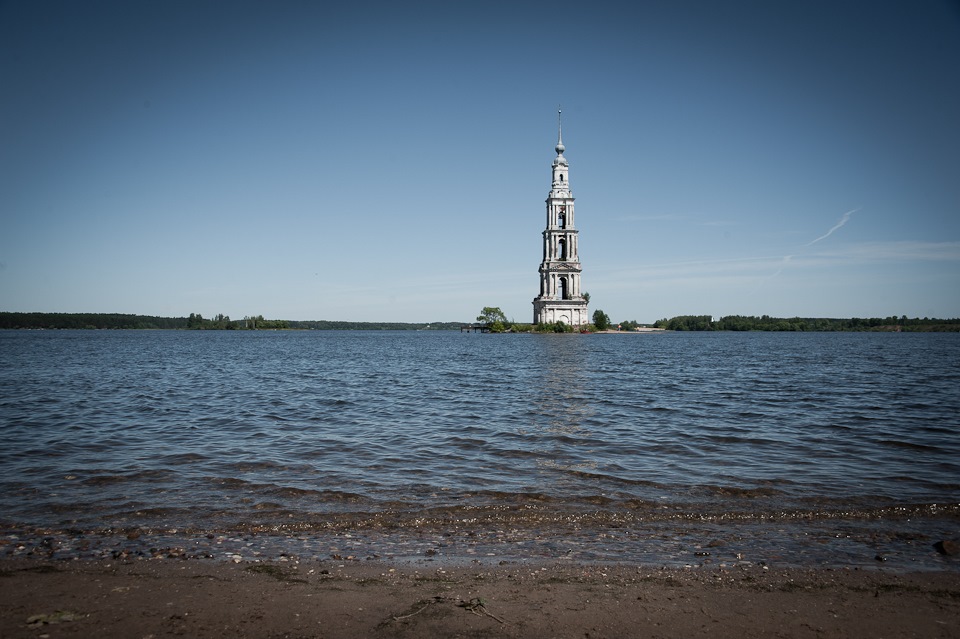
(560, 147)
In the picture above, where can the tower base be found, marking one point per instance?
(570, 312)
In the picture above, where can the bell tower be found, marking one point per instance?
(560, 298)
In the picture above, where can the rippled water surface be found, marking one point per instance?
(397, 430)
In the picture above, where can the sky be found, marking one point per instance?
(389, 161)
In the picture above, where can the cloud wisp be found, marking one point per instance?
(787, 258)
(843, 220)
(783, 265)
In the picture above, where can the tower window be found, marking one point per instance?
(561, 177)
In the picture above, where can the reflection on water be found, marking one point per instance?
(559, 394)
(562, 409)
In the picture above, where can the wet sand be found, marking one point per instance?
(200, 598)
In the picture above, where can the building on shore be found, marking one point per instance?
(561, 298)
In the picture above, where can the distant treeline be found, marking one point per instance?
(125, 321)
(223, 322)
(681, 323)
(767, 323)
(88, 320)
(325, 325)
(195, 321)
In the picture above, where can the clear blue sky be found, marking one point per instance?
(390, 161)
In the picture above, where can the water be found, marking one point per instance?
(824, 448)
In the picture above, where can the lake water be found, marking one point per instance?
(674, 448)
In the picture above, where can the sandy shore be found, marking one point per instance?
(164, 598)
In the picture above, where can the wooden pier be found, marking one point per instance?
(474, 328)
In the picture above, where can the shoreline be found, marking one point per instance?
(906, 544)
(160, 598)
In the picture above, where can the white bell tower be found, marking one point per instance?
(560, 299)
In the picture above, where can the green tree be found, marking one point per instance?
(554, 327)
(491, 314)
(601, 320)
(692, 323)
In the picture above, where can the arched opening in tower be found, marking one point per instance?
(564, 290)
(562, 249)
